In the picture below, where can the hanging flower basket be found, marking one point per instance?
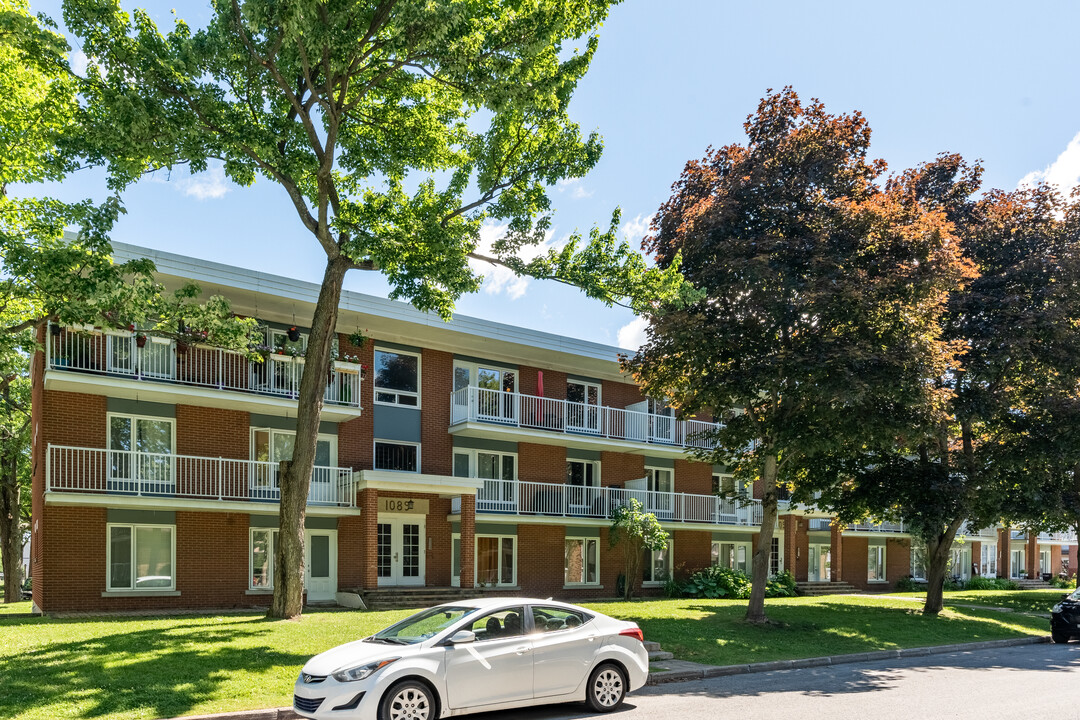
(140, 340)
(181, 347)
(54, 329)
(293, 333)
(357, 339)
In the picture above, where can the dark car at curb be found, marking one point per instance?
(1065, 618)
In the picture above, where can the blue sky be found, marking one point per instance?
(991, 80)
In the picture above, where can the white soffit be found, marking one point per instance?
(279, 298)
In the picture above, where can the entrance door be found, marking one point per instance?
(320, 567)
(400, 550)
(820, 563)
(1044, 562)
(1016, 567)
(582, 407)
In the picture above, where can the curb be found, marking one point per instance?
(711, 671)
(284, 713)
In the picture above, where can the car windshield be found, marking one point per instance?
(1075, 594)
(421, 626)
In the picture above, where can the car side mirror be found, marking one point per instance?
(462, 637)
(1065, 596)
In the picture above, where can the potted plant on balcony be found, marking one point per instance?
(357, 338)
(293, 333)
(140, 340)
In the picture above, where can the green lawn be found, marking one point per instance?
(1019, 600)
(15, 607)
(710, 631)
(126, 667)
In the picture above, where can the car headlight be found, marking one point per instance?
(361, 672)
(1056, 608)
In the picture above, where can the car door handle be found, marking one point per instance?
(522, 650)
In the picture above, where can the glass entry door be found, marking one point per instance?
(400, 550)
(819, 568)
(320, 567)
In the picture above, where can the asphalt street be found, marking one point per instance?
(1030, 682)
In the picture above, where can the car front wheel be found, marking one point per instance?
(607, 688)
(408, 700)
(1059, 637)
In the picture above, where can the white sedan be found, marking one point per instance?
(477, 656)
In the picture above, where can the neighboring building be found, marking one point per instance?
(470, 454)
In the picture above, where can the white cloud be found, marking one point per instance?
(632, 334)
(209, 185)
(577, 190)
(634, 230)
(79, 62)
(498, 279)
(1064, 172)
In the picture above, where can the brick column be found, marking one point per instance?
(468, 541)
(837, 549)
(1073, 550)
(1004, 552)
(1032, 555)
(793, 560)
(369, 521)
(976, 556)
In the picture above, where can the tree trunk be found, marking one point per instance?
(295, 476)
(755, 611)
(937, 558)
(633, 560)
(11, 540)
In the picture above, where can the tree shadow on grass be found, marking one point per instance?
(167, 670)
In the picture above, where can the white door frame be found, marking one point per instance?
(328, 590)
(396, 521)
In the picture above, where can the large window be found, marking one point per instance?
(656, 568)
(499, 471)
(263, 543)
(397, 378)
(269, 446)
(731, 555)
(582, 561)
(583, 410)
(141, 557)
(399, 457)
(496, 560)
(875, 563)
(140, 450)
(988, 560)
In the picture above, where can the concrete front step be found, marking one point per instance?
(652, 646)
(814, 589)
(660, 655)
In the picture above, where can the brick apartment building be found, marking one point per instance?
(470, 454)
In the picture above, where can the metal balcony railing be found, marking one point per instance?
(474, 404)
(141, 474)
(967, 531)
(534, 498)
(163, 360)
(887, 527)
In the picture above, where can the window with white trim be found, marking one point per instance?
(581, 561)
(141, 557)
(732, 555)
(875, 563)
(656, 569)
(988, 558)
(918, 561)
(660, 479)
(397, 377)
(262, 543)
(776, 556)
(140, 447)
(496, 560)
(397, 456)
(469, 374)
(498, 470)
(279, 340)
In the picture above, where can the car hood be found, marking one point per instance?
(356, 653)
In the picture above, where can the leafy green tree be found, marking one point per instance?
(14, 461)
(1002, 445)
(821, 294)
(395, 128)
(636, 531)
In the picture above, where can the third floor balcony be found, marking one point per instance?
(497, 414)
(148, 367)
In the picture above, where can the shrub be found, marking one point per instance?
(717, 582)
(910, 584)
(953, 583)
(984, 583)
(783, 585)
(1063, 583)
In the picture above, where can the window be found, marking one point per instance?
(918, 561)
(501, 624)
(494, 397)
(269, 447)
(141, 557)
(734, 556)
(551, 619)
(499, 470)
(659, 479)
(399, 457)
(496, 560)
(263, 544)
(139, 457)
(657, 566)
(489, 378)
(280, 339)
(581, 561)
(582, 473)
(724, 485)
(776, 557)
(397, 378)
(583, 406)
(875, 563)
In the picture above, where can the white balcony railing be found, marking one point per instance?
(125, 472)
(158, 360)
(967, 531)
(533, 498)
(1065, 537)
(474, 404)
(887, 527)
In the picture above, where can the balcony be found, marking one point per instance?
(1058, 537)
(516, 497)
(967, 531)
(883, 527)
(496, 413)
(152, 363)
(130, 474)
